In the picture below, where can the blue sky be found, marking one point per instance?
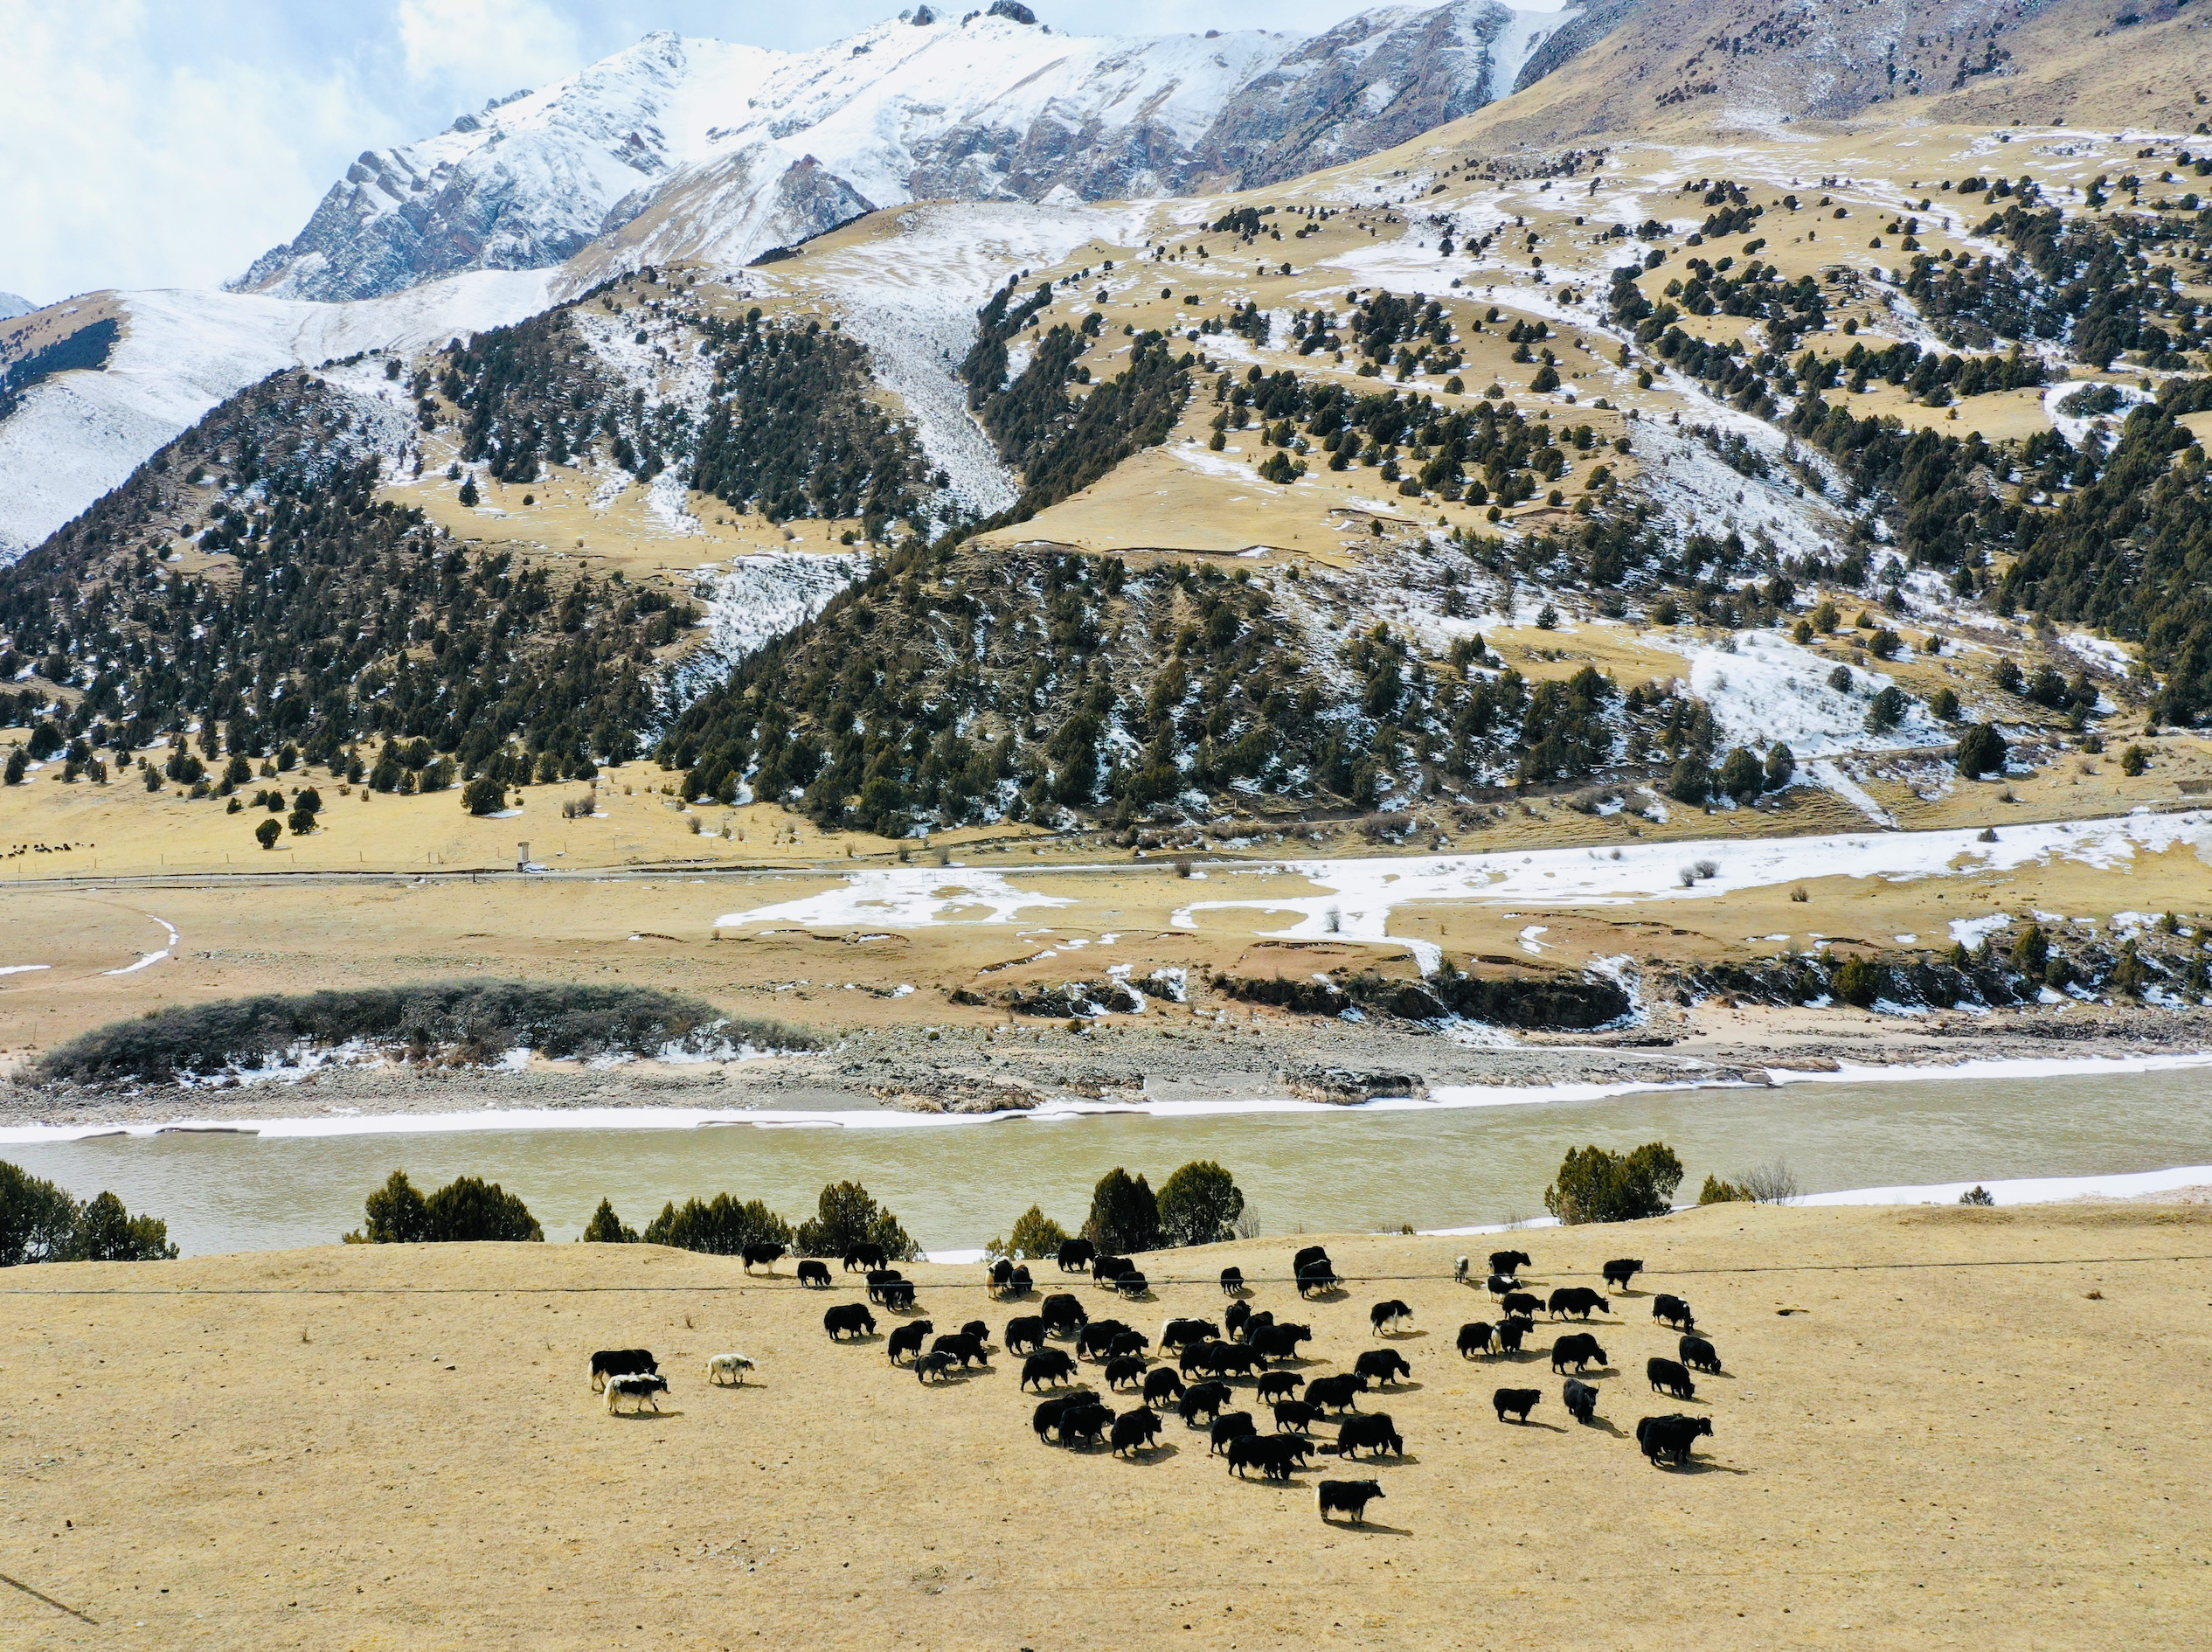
(168, 143)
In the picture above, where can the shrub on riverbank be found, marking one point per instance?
(467, 1208)
(39, 1222)
(1125, 1216)
(605, 1227)
(1199, 1205)
(1597, 1185)
(463, 1022)
(721, 1227)
(1035, 1235)
(845, 1215)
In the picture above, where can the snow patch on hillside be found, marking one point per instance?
(757, 600)
(1770, 690)
(80, 435)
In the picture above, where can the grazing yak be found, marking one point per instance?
(1025, 1334)
(1274, 1455)
(1020, 1284)
(814, 1275)
(1336, 1393)
(1669, 1376)
(1062, 1314)
(1671, 1437)
(1085, 1423)
(1460, 1271)
(897, 1295)
(1124, 1372)
(1047, 1365)
(937, 1362)
(1135, 1430)
(1578, 1300)
(1092, 1341)
(1295, 1416)
(1346, 1497)
(1674, 1311)
(1509, 1261)
(728, 1365)
(1383, 1365)
(641, 1385)
(1133, 1285)
(1621, 1269)
(1001, 1276)
(1126, 1343)
(1578, 1351)
(1047, 1416)
(762, 1254)
(1075, 1254)
(1373, 1433)
(1232, 1282)
(1317, 1276)
(961, 1346)
(1176, 1332)
(1234, 1318)
(1391, 1315)
(1517, 1401)
(1219, 1359)
(908, 1338)
(1511, 1331)
(879, 1277)
(1252, 1326)
(978, 1330)
(1203, 1399)
(1527, 1304)
(1476, 1337)
(1581, 1400)
(1499, 1284)
(1278, 1384)
(864, 1256)
(1110, 1268)
(1278, 1341)
(619, 1362)
(1310, 1255)
(1230, 1426)
(849, 1319)
(1700, 1355)
(1162, 1384)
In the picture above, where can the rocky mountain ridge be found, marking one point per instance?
(767, 148)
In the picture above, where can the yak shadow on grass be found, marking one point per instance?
(1702, 1466)
(1371, 1528)
(1549, 1427)
(1608, 1426)
(1157, 1453)
(645, 1416)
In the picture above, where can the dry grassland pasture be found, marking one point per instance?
(1937, 1428)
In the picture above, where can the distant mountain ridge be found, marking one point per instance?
(769, 147)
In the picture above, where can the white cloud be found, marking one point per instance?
(121, 165)
(463, 41)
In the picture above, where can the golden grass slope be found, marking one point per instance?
(1672, 68)
(1937, 1428)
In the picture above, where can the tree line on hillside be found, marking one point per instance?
(336, 628)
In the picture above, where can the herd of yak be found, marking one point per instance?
(1248, 1343)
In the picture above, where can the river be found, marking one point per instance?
(956, 1183)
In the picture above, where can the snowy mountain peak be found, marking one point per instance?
(775, 146)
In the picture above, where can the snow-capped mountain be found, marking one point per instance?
(11, 307)
(766, 148)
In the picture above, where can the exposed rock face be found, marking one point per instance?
(1347, 1087)
(728, 150)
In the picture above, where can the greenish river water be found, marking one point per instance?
(1467, 1158)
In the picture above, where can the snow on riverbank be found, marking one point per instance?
(1452, 1097)
(1359, 896)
